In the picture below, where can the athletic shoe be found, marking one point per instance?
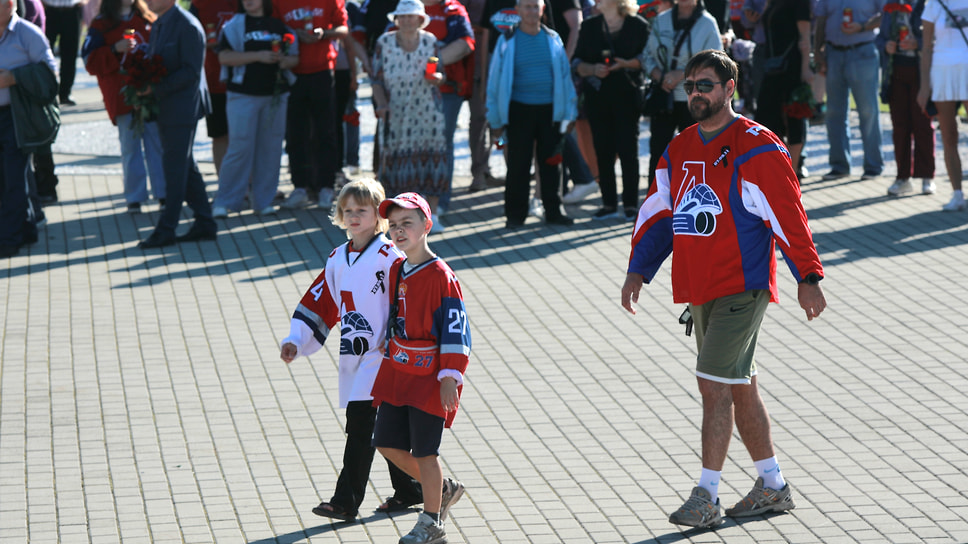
(579, 192)
(268, 210)
(762, 500)
(325, 197)
(535, 208)
(900, 187)
(453, 491)
(478, 184)
(134, 208)
(699, 511)
(868, 176)
(296, 199)
(220, 212)
(829, 176)
(606, 212)
(631, 214)
(927, 186)
(425, 532)
(956, 204)
(437, 227)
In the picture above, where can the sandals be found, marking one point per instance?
(394, 504)
(334, 511)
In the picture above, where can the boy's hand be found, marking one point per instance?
(289, 351)
(448, 394)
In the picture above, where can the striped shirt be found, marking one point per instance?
(533, 77)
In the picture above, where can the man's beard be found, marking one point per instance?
(702, 109)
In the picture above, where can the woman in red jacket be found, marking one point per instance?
(120, 28)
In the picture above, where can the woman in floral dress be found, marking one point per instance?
(412, 148)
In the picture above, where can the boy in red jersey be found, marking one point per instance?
(725, 195)
(419, 384)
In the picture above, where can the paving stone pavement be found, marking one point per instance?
(142, 398)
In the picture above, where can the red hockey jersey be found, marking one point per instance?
(721, 207)
(431, 307)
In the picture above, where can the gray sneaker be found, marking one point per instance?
(298, 198)
(453, 491)
(762, 500)
(425, 532)
(900, 187)
(699, 511)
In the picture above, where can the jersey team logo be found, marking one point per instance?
(698, 206)
(355, 334)
(506, 20)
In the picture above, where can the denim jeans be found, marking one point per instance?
(855, 71)
(135, 151)
(452, 105)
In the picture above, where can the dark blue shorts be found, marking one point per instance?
(409, 429)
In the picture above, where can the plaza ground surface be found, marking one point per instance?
(142, 398)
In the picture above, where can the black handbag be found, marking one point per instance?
(641, 87)
(777, 65)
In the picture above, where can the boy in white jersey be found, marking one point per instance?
(352, 292)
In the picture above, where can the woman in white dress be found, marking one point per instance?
(944, 64)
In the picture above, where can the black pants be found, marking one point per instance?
(66, 23)
(311, 131)
(44, 173)
(358, 457)
(341, 93)
(183, 181)
(531, 128)
(615, 130)
(15, 228)
(663, 127)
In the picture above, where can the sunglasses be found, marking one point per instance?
(703, 85)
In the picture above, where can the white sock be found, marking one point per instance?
(769, 470)
(709, 480)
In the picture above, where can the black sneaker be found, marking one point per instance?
(607, 212)
(134, 208)
(563, 220)
(631, 213)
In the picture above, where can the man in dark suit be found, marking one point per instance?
(177, 37)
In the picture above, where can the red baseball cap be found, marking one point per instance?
(410, 201)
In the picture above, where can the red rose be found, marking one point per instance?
(554, 160)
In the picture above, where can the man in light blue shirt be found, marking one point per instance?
(844, 51)
(21, 44)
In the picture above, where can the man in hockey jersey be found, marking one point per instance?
(725, 194)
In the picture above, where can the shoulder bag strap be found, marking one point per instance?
(952, 16)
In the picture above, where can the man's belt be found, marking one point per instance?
(848, 47)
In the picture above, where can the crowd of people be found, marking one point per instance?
(560, 85)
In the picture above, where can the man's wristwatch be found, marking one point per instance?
(812, 279)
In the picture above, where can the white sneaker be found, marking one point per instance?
(268, 210)
(956, 204)
(426, 531)
(296, 199)
(536, 208)
(325, 197)
(900, 187)
(927, 186)
(437, 227)
(580, 192)
(220, 212)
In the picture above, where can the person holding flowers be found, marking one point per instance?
(256, 51)
(119, 29)
(786, 25)
(900, 41)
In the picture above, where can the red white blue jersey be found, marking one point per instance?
(352, 292)
(721, 207)
(431, 307)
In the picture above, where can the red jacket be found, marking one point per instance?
(213, 14)
(325, 14)
(449, 22)
(102, 61)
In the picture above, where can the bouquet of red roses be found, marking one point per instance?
(277, 47)
(801, 104)
(140, 71)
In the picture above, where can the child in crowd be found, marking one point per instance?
(419, 384)
(256, 51)
(352, 292)
(120, 27)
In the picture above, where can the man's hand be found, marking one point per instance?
(289, 352)
(630, 291)
(123, 45)
(448, 394)
(7, 79)
(811, 299)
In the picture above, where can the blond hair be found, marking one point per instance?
(366, 192)
(627, 7)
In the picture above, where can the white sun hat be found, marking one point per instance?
(410, 7)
